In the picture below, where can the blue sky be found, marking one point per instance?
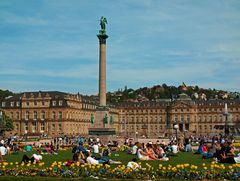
(52, 44)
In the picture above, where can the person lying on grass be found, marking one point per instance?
(36, 157)
(102, 160)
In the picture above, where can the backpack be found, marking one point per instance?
(74, 149)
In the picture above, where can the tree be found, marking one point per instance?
(5, 93)
(6, 123)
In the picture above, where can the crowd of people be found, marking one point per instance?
(93, 151)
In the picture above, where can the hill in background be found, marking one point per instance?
(156, 93)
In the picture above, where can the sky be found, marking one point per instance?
(51, 45)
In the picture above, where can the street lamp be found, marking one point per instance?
(176, 129)
(226, 114)
(136, 134)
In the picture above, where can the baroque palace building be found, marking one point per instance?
(51, 113)
(157, 119)
(57, 113)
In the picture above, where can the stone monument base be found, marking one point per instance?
(101, 128)
(104, 134)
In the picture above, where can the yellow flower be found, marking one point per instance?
(205, 168)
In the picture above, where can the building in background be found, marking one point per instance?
(51, 113)
(56, 113)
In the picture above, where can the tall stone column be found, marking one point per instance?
(102, 69)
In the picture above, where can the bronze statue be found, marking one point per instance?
(103, 22)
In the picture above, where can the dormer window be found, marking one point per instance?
(12, 104)
(60, 103)
(18, 104)
(3, 104)
(54, 103)
(27, 103)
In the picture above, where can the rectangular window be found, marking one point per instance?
(34, 126)
(210, 118)
(26, 126)
(53, 127)
(60, 103)
(53, 115)
(182, 118)
(17, 116)
(60, 115)
(42, 126)
(3, 104)
(54, 103)
(60, 127)
(42, 115)
(35, 115)
(27, 115)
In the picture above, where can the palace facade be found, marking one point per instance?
(157, 119)
(52, 113)
(57, 113)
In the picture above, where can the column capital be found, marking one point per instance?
(102, 38)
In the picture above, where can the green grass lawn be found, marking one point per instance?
(63, 155)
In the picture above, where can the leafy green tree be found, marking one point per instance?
(6, 123)
(5, 93)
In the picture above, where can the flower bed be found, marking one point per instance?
(74, 170)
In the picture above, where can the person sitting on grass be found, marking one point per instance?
(134, 149)
(222, 157)
(34, 158)
(28, 148)
(78, 156)
(133, 164)
(105, 151)
(141, 154)
(211, 151)
(150, 152)
(159, 151)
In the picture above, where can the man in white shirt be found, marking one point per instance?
(37, 157)
(95, 148)
(134, 149)
(174, 148)
(3, 150)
